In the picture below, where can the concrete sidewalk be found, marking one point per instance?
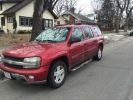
(113, 37)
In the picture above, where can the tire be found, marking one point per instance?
(131, 34)
(57, 74)
(99, 54)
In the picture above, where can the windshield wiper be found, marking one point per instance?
(37, 40)
(49, 41)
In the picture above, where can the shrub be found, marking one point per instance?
(24, 32)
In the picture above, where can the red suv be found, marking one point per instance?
(52, 54)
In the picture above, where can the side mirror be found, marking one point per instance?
(75, 40)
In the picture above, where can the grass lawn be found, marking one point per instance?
(12, 39)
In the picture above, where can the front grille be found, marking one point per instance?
(13, 66)
(13, 59)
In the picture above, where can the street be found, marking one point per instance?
(109, 79)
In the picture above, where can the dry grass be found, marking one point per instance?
(11, 39)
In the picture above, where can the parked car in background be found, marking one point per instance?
(131, 33)
(54, 53)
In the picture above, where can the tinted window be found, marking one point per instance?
(97, 31)
(77, 33)
(88, 32)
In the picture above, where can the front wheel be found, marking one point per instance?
(99, 54)
(57, 74)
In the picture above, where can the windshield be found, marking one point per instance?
(58, 34)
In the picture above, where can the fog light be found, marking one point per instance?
(31, 77)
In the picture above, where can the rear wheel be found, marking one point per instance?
(57, 74)
(99, 54)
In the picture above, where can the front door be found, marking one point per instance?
(77, 49)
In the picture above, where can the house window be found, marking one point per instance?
(9, 19)
(1, 7)
(48, 23)
(2, 21)
(25, 21)
(58, 22)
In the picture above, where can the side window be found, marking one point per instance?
(88, 32)
(97, 31)
(77, 33)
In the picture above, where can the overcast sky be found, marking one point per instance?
(86, 5)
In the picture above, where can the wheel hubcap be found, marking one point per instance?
(59, 74)
(99, 54)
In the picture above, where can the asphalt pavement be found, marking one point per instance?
(109, 79)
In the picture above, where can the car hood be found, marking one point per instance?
(31, 49)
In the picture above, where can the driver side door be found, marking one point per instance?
(77, 48)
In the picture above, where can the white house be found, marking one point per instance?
(22, 12)
(73, 18)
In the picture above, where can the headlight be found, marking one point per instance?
(34, 62)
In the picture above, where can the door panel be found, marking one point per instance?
(90, 43)
(77, 49)
(77, 53)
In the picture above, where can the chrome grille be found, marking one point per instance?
(17, 59)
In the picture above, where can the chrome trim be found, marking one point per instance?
(17, 63)
(18, 75)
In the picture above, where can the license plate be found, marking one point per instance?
(7, 75)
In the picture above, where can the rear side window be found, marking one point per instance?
(97, 31)
(77, 33)
(88, 32)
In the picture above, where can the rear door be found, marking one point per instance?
(90, 42)
(77, 49)
(98, 35)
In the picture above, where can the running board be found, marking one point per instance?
(80, 66)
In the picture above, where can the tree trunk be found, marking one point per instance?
(126, 25)
(37, 18)
(117, 24)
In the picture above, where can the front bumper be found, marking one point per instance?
(29, 76)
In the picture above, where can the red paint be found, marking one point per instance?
(49, 52)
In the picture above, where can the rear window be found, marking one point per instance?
(97, 31)
(88, 32)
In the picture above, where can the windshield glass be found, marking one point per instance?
(58, 34)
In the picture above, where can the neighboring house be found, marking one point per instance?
(61, 21)
(21, 12)
(73, 18)
(92, 16)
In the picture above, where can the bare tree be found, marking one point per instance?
(59, 8)
(121, 6)
(39, 7)
(64, 5)
(69, 4)
(129, 9)
(96, 4)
